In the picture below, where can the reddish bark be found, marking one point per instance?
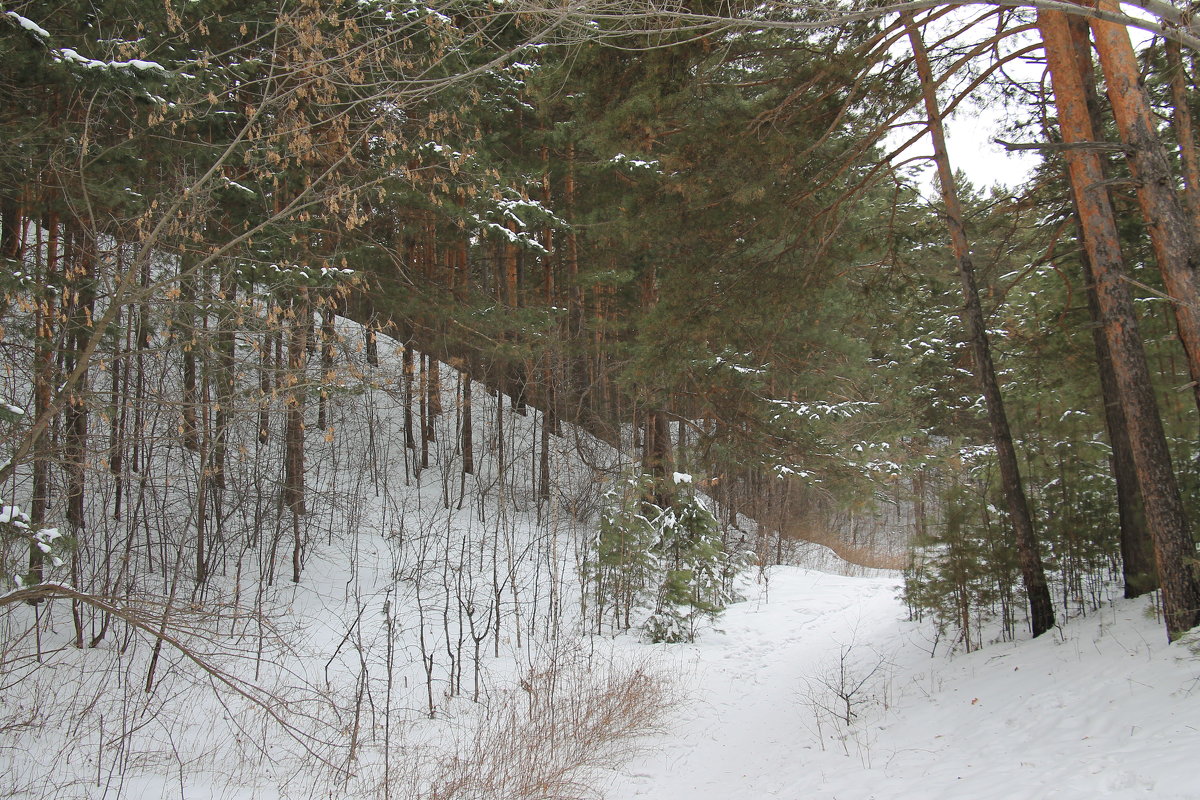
(1173, 548)
(1172, 233)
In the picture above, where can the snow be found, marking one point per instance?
(818, 411)
(815, 686)
(635, 163)
(73, 56)
(13, 515)
(433, 600)
(232, 184)
(1102, 707)
(29, 25)
(782, 470)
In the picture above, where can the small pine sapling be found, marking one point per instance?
(666, 559)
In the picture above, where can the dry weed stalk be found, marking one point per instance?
(546, 739)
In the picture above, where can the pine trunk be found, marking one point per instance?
(294, 489)
(1181, 121)
(45, 317)
(1172, 232)
(225, 376)
(1041, 608)
(407, 367)
(1137, 549)
(468, 430)
(423, 386)
(328, 338)
(1173, 548)
(187, 324)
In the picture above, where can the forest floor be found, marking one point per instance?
(1100, 707)
(436, 639)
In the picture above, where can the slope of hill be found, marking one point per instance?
(433, 650)
(429, 649)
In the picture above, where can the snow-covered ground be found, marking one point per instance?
(434, 650)
(1102, 707)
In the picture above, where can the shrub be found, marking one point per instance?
(668, 560)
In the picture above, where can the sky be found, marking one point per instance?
(973, 125)
(969, 140)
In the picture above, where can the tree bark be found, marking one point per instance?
(294, 425)
(328, 338)
(543, 492)
(1137, 549)
(407, 367)
(225, 376)
(468, 429)
(1171, 229)
(45, 316)
(1041, 607)
(266, 384)
(426, 427)
(1173, 548)
(187, 332)
(1181, 121)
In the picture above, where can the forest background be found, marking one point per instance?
(694, 232)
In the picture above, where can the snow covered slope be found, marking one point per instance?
(433, 650)
(1102, 707)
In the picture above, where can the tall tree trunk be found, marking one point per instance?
(468, 431)
(11, 229)
(1181, 121)
(543, 486)
(12, 239)
(294, 425)
(433, 386)
(45, 317)
(225, 378)
(511, 295)
(574, 291)
(119, 401)
(423, 385)
(328, 338)
(186, 323)
(1137, 549)
(1041, 608)
(407, 366)
(1172, 231)
(372, 344)
(1173, 548)
(656, 454)
(266, 384)
(501, 465)
(78, 306)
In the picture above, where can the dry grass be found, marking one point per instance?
(875, 555)
(549, 738)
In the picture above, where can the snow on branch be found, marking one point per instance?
(37, 31)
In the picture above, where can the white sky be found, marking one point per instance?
(969, 140)
(973, 125)
(969, 137)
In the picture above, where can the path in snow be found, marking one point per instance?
(1102, 707)
(745, 729)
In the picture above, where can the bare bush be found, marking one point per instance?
(843, 690)
(545, 739)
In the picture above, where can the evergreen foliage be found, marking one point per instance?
(664, 566)
(692, 246)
